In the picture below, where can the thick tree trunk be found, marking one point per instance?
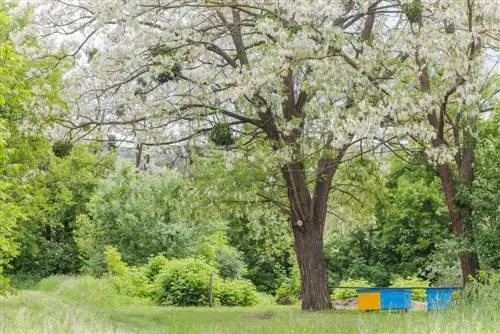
(469, 261)
(308, 215)
(314, 278)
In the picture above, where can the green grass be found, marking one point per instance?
(87, 305)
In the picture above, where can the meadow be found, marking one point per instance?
(88, 305)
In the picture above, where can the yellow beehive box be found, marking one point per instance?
(368, 301)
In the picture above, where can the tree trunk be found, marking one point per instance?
(308, 215)
(469, 260)
(314, 278)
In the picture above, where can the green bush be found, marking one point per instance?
(24, 281)
(235, 293)
(339, 294)
(134, 282)
(184, 283)
(416, 294)
(289, 290)
(113, 261)
(154, 266)
(230, 263)
(482, 293)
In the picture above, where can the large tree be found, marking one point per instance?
(303, 80)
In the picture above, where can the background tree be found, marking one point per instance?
(411, 221)
(448, 80)
(9, 212)
(54, 197)
(484, 195)
(137, 215)
(28, 95)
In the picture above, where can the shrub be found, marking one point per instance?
(113, 261)
(235, 293)
(133, 282)
(416, 294)
(289, 290)
(339, 294)
(230, 263)
(184, 283)
(154, 266)
(482, 293)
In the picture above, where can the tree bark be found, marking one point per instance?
(461, 216)
(469, 260)
(314, 278)
(308, 215)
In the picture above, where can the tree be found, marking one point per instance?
(26, 93)
(249, 207)
(51, 200)
(305, 82)
(139, 216)
(484, 195)
(411, 221)
(8, 213)
(450, 81)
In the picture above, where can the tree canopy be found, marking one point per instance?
(303, 81)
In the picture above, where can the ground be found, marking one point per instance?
(76, 306)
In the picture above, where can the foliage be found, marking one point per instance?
(230, 263)
(411, 222)
(356, 256)
(355, 194)
(113, 261)
(443, 268)
(133, 282)
(235, 293)
(184, 283)
(243, 220)
(154, 266)
(341, 293)
(136, 214)
(52, 201)
(413, 11)
(484, 195)
(288, 291)
(411, 218)
(221, 135)
(264, 247)
(25, 90)
(482, 291)
(416, 294)
(8, 213)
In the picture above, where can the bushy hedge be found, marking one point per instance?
(155, 266)
(236, 293)
(133, 282)
(184, 283)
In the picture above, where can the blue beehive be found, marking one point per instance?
(384, 299)
(440, 298)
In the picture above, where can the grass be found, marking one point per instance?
(88, 305)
